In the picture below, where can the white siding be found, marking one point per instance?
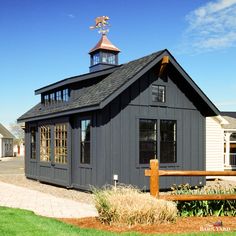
(214, 145)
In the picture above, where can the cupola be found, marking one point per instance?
(104, 55)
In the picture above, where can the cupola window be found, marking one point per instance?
(108, 58)
(96, 59)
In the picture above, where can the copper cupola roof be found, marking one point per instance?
(104, 43)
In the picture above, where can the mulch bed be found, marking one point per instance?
(182, 225)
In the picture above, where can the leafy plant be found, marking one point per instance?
(205, 208)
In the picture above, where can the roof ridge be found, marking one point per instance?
(157, 53)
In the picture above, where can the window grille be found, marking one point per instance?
(45, 143)
(60, 143)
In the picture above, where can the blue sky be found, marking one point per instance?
(43, 41)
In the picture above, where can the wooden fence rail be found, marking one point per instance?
(154, 173)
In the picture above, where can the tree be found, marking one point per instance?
(17, 130)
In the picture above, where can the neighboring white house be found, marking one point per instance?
(19, 149)
(221, 142)
(6, 142)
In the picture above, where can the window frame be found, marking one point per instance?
(159, 94)
(35, 142)
(96, 58)
(175, 142)
(51, 98)
(159, 82)
(155, 141)
(80, 119)
(50, 159)
(64, 140)
(162, 165)
(52, 123)
(65, 95)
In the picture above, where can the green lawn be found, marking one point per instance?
(25, 223)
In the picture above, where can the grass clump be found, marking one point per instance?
(205, 208)
(126, 205)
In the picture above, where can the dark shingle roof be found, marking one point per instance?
(228, 113)
(95, 94)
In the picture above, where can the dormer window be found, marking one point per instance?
(65, 95)
(56, 97)
(52, 98)
(46, 99)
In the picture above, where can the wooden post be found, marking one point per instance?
(154, 178)
(153, 173)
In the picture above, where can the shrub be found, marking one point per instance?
(205, 208)
(126, 205)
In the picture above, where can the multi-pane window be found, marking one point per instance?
(85, 127)
(45, 143)
(108, 58)
(52, 98)
(96, 58)
(60, 143)
(46, 99)
(65, 95)
(167, 141)
(58, 96)
(33, 143)
(147, 140)
(158, 93)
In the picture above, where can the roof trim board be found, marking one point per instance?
(193, 84)
(75, 79)
(60, 113)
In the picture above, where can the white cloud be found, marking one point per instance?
(211, 27)
(71, 15)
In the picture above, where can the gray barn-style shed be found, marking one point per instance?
(112, 121)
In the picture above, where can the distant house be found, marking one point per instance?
(113, 120)
(6, 142)
(221, 142)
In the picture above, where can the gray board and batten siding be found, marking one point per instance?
(115, 119)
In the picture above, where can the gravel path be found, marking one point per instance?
(21, 180)
(12, 172)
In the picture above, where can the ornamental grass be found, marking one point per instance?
(126, 205)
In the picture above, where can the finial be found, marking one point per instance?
(101, 23)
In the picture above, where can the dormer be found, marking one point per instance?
(104, 55)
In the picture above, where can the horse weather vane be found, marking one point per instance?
(101, 23)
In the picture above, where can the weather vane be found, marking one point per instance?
(101, 23)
